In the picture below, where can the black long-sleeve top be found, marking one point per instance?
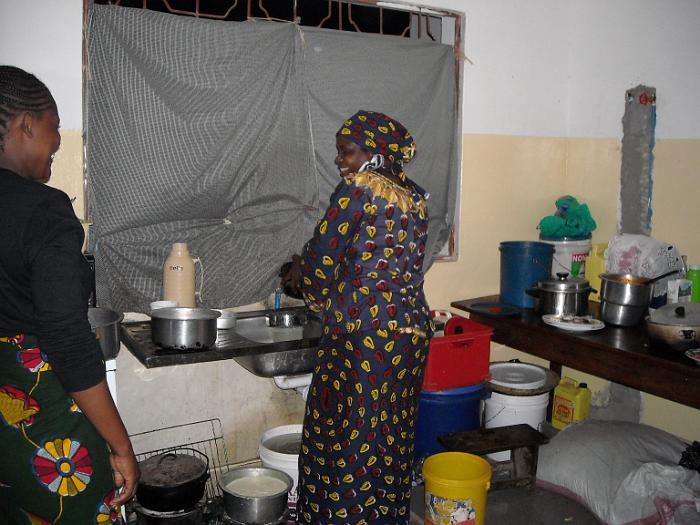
(45, 280)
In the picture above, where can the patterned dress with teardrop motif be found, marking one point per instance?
(363, 270)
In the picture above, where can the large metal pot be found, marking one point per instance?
(173, 481)
(105, 324)
(624, 298)
(255, 495)
(184, 328)
(561, 296)
(675, 326)
(622, 314)
(624, 288)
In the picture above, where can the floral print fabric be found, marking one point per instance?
(54, 467)
(363, 270)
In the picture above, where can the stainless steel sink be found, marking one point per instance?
(288, 340)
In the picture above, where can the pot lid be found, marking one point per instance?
(515, 374)
(172, 469)
(564, 283)
(679, 314)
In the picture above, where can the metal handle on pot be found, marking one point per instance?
(173, 454)
(688, 334)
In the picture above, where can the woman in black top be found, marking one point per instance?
(64, 451)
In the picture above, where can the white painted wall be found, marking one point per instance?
(44, 37)
(539, 67)
(617, 45)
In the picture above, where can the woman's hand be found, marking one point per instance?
(97, 405)
(290, 274)
(126, 476)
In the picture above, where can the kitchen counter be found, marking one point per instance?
(136, 336)
(623, 355)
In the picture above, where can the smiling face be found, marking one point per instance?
(350, 157)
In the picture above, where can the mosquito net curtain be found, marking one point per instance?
(222, 135)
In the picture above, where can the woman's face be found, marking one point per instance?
(350, 156)
(45, 141)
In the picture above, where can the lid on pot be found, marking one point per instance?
(515, 374)
(680, 314)
(564, 283)
(185, 314)
(172, 469)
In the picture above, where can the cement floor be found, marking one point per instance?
(520, 507)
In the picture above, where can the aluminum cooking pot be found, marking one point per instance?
(626, 289)
(105, 324)
(562, 296)
(675, 326)
(256, 495)
(173, 481)
(184, 328)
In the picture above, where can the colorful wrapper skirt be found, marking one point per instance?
(54, 466)
(355, 465)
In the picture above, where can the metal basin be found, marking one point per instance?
(290, 339)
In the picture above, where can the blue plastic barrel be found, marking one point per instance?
(453, 410)
(523, 263)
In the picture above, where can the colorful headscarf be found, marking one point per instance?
(380, 134)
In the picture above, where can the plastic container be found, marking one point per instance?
(460, 358)
(279, 448)
(570, 254)
(694, 278)
(523, 263)
(454, 410)
(501, 410)
(595, 265)
(178, 277)
(572, 402)
(456, 484)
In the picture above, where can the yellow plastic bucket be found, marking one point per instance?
(455, 489)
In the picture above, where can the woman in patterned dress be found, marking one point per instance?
(363, 269)
(63, 447)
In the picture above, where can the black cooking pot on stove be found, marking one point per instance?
(173, 481)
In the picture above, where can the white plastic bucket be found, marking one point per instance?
(570, 256)
(276, 451)
(501, 410)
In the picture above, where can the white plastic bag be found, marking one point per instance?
(643, 256)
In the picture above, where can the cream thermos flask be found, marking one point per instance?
(178, 277)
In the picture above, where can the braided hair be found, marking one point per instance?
(20, 91)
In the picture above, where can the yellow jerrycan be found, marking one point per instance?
(595, 265)
(572, 402)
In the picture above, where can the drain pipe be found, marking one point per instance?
(300, 383)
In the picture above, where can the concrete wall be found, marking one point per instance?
(543, 103)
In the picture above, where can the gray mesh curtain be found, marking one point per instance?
(221, 135)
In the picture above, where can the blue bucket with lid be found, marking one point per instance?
(523, 264)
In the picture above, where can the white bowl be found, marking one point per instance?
(227, 319)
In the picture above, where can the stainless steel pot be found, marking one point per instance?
(624, 298)
(184, 328)
(561, 296)
(625, 289)
(105, 324)
(675, 326)
(622, 314)
(247, 502)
